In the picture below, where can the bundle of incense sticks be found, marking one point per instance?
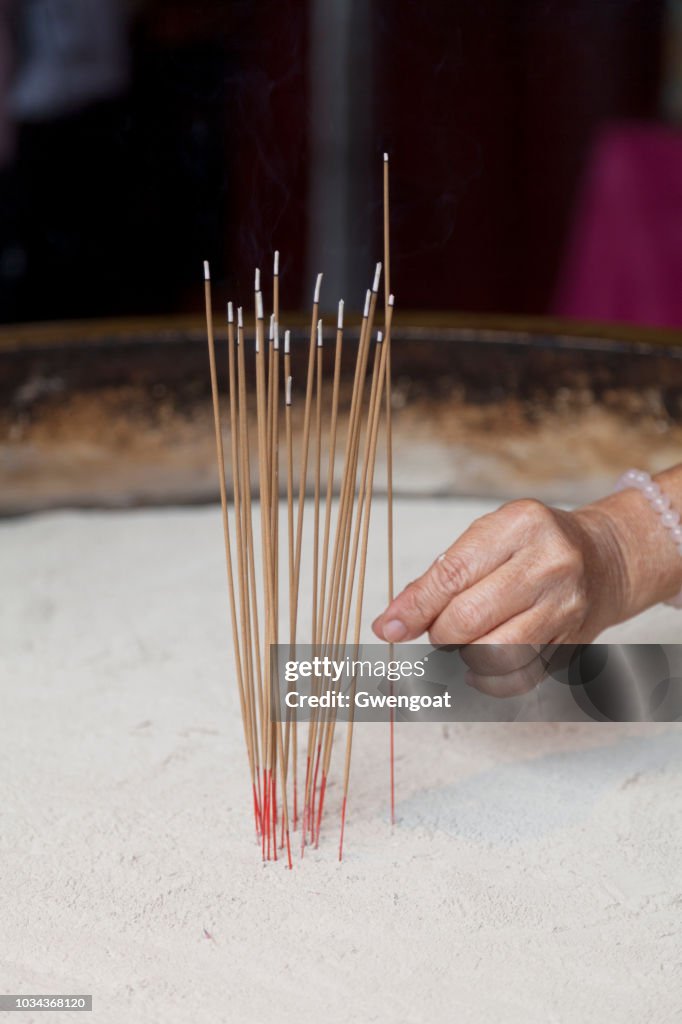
(287, 795)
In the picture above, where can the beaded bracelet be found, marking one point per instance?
(660, 503)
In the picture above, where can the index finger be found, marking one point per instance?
(479, 551)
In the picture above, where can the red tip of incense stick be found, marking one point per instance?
(343, 827)
(295, 805)
(307, 773)
(311, 816)
(256, 812)
(265, 830)
(323, 787)
(274, 799)
(273, 786)
(289, 852)
(259, 801)
(304, 819)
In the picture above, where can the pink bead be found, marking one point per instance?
(633, 478)
(652, 491)
(661, 504)
(670, 518)
(676, 534)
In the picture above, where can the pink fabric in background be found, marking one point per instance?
(624, 261)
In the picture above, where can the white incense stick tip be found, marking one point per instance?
(318, 285)
(288, 390)
(256, 284)
(230, 313)
(380, 337)
(275, 335)
(365, 312)
(319, 334)
(271, 335)
(259, 305)
(339, 322)
(207, 272)
(275, 264)
(385, 158)
(377, 276)
(287, 343)
(240, 317)
(391, 300)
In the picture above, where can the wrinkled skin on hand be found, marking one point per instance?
(529, 575)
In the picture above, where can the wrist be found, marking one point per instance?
(647, 567)
(608, 563)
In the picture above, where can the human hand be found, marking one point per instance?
(525, 574)
(530, 576)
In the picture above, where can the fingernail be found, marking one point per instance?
(394, 631)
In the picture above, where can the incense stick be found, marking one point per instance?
(306, 438)
(245, 618)
(338, 352)
(291, 727)
(301, 502)
(272, 737)
(247, 517)
(389, 463)
(225, 518)
(316, 477)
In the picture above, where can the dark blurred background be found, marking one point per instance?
(536, 161)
